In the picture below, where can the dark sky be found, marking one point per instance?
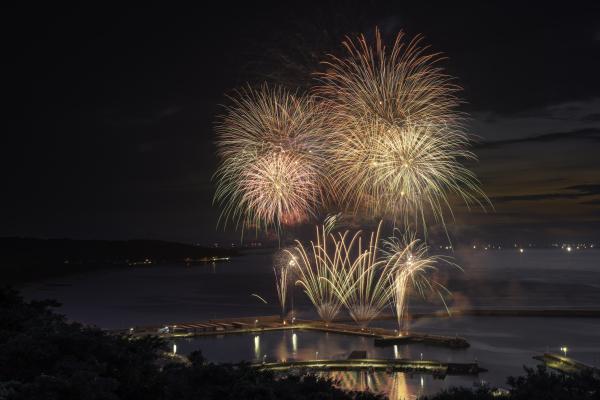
(108, 127)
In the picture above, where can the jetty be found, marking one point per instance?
(436, 368)
(254, 325)
(565, 364)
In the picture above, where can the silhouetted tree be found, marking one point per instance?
(42, 356)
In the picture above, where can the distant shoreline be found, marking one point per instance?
(27, 260)
(476, 312)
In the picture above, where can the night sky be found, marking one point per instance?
(108, 126)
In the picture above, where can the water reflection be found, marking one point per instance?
(303, 345)
(294, 343)
(397, 385)
(502, 346)
(256, 348)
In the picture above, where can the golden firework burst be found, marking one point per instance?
(396, 139)
(270, 144)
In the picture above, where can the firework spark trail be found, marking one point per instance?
(396, 135)
(282, 269)
(318, 270)
(339, 270)
(410, 266)
(398, 85)
(362, 285)
(270, 145)
(259, 297)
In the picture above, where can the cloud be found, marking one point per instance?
(586, 190)
(594, 117)
(579, 192)
(595, 202)
(592, 134)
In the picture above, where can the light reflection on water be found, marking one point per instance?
(502, 345)
(397, 386)
(304, 345)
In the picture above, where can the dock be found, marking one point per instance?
(423, 338)
(248, 325)
(367, 364)
(565, 364)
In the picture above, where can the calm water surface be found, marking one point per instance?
(544, 279)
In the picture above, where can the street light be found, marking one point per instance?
(564, 349)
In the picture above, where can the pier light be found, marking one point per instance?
(395, 351)
(521, 250)
(564, 349)
(422, 381)
(174, 348)
(316, 355)
(421, 358)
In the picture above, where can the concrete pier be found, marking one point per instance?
(382, 336)
(389, 365)
(565, 364)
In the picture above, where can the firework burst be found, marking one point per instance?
(270, 144)
(398, 85)
(396, 135)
